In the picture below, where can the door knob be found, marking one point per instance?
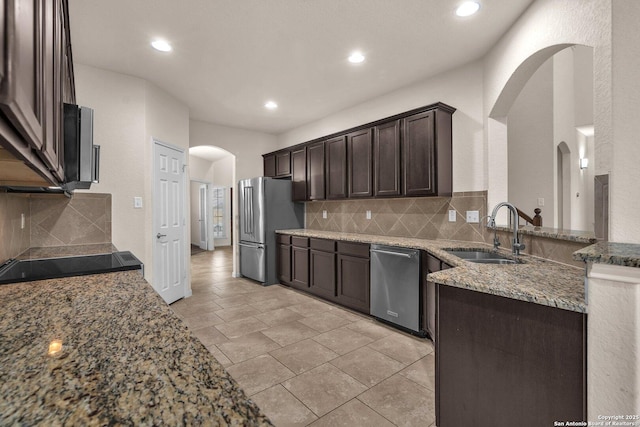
(160, 235)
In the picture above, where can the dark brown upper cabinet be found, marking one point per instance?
(360, 164)
(23, 84)
(336, 167)
(406, 155)
(386, 160)
(269, 164)
(283, 163)
(426, 152)
(299, 175)
(315, 171)
(36, 77)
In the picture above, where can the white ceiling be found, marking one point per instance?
(231, 56)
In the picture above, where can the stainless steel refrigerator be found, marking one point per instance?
(265, 206)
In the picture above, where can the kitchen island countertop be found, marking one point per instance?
(124, 358)
(534, 280)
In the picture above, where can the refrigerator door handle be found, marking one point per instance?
(251, 245)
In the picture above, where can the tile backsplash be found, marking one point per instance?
(53, 220)
(419, 217)
(13, 238)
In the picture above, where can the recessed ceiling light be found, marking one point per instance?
(161, 45)
(356, 58)
(468, 8)
(270, 105)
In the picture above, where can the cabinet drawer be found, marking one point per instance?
(283, 239)
(301, 242)
(354, 249)
(323, 245)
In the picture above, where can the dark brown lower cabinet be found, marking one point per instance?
(354, 276)
(430, 264)
(322, 279)
(504, 362)
(284, 258)
(300, 263)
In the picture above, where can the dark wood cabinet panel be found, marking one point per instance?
(35, 68)
(284, 263)
(419, 155)
(336, 167)
(430, 264)
(386, 159)
(283, 163)
(360, 164)
(300, 262)
(22, 88)
(315, 171)
(354, 282)
(299, 175)
(269, 162)
(322, 280)
(511, 362)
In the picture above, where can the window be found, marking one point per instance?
(219, 230)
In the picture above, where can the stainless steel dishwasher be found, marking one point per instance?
(395, 286)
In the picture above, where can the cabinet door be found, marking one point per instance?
(269, 163)
(22, 88)
(322, 279)
(53, 138)
(418, 146)
(386, 159)
(284, 264)
(353, 282)
(360, 163)
(315, 171)
(336, 149)
(283, 163)
(300, 267)
(299, 175)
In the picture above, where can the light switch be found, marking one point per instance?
(368, 214)
(473, 217)
(540, 201)
(452, 215)
(324, 214)
(137, 202)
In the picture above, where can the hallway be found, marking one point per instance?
(305, 361)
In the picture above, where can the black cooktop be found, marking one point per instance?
(15, 271)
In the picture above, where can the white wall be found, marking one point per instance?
(129, 112)
(461, 88)
(531, 146)
(200, 169)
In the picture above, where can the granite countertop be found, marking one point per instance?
(554, 233)
(534, 280)
(125, 358)
(623, 254)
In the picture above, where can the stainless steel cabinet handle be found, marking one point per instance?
(251, 246)
(160, 235)
(400, 254)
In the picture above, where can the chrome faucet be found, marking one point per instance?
(516, 245)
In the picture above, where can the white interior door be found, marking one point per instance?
(169, 273)
(202, 216)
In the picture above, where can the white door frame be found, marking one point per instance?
(185, 274)
(203, 215)
(210, 242)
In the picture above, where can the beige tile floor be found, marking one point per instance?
(305, 361)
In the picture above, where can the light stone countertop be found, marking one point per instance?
(535, 280)
(125, 359)
(623, 254)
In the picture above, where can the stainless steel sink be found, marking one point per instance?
(482, 257)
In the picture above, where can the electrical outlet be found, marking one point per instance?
(22, 221)
(368, 214)
(452, 215)
(137, 202)
(324, 214)
(473, 217)
(540, 201)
